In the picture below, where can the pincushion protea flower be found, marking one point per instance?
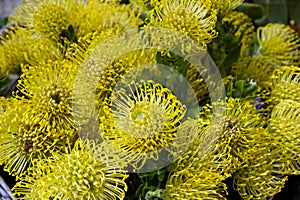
(285, 84)
(192, 18)
(258, 182)
(223, 149)
(13, 153)
(85, 171)
(279, 42)
(39, 119)
(195, 176)
(24, 138)
(49, 86)
(260, 179)
(284, 125)
(20, 46)
(185, 185)
(47, 17)
(146, 121)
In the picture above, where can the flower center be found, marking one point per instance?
(140, 113)
(57, 96)
(177, 19)
(146, 119)
(231, 125)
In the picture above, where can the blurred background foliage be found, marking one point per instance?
(273, 11)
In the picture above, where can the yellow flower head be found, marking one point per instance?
(146, 121)
(41, 120)
(47, 17)
(192, 18)
(259, 178)
(258, 68)
(224, 7)
(96, 18)
(280, 42)
(15, 147)
(284, 125)
(19, 46)
(183, 185)
(243, 29)
(224, 149)
(86, 171)
(285, 84)
(23, 139)
(258, 181)
(49, 87)
(111, 75)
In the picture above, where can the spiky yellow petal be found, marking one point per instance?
(86, 171)
(285, 84)
(224, 7)
(284, 126)
(280, 42)
(20, 46)
(201, 185)
(195, 19)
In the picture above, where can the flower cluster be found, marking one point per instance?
(87, 119)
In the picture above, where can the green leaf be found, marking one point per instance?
(3, 22)
(231, 58)
(161, 175)
(240, 86)
(69, 34)
(8, 85)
